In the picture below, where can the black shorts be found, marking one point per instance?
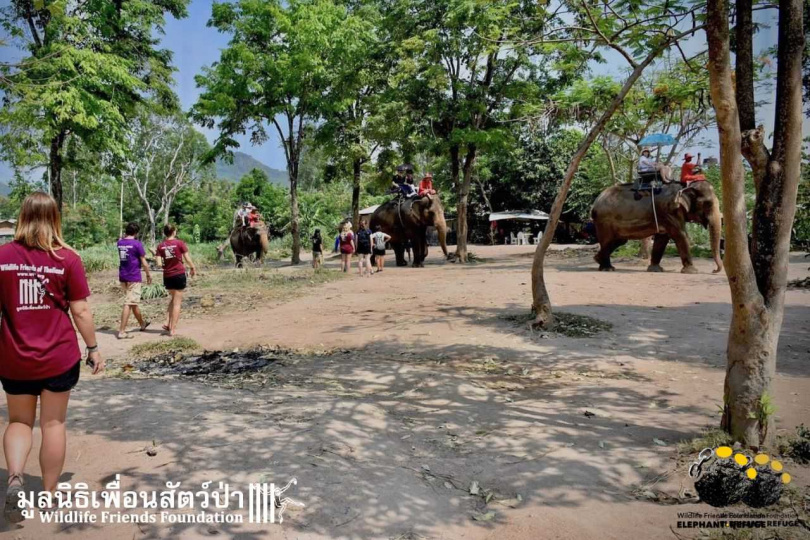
(60, 383)
(175, 283)
(379, 252)
(364, 251)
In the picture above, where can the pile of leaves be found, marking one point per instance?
(799, 283)
(565, 324)
(248, 369)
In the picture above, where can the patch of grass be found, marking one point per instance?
(99, 258)
(797, 446)
(173, 345)
(710, 438)
(153, 291)
(566, 324)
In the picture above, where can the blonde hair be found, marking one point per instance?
(40, 225)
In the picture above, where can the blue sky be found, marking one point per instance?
(195, 45)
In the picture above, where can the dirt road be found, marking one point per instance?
(429, 385)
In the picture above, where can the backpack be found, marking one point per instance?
(379, 241)
(363, 240)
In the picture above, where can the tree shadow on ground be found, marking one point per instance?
(387, 439)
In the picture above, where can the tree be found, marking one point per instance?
(274, 71)
(757, 278)
(633, 31)
(86, 67)
(352, 127)
(464, 67)
(164, 158)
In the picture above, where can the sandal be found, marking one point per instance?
(124, 335)
(12, 510)
(145, 326)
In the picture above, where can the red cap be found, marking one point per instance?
(688, 156)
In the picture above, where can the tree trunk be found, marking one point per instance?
(541, 302)
(121, 211)
(55, 168)
(744, 75)
(294, 216)
(758, 279)
(463, 201)
(356, 164)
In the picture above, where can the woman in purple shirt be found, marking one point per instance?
(132, 258)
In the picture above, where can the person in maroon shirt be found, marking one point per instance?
(42, 283)
(173, 253)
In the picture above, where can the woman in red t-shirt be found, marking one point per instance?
(41, 280)
(346, 246)
(173, 253)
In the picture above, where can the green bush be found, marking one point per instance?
(99, 257)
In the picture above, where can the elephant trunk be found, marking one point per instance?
(264, 241)
(715, 231)
(441, 229)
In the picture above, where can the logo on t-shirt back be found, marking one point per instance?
(169, 250)
(32, 294)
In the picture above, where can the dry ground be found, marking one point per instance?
(426, 385)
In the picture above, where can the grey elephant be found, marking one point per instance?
(618, 217)
(408, 219)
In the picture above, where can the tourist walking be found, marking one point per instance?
(379, 239)
(42, 283)
(132, 258)
(174, 253)
(346, 242)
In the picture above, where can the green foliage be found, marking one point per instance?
(153, 291)
(84, 67)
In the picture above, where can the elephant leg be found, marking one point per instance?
(399, 252)
(238, 260)
(603, 256)
(685, 251)
(418, 252)
(659, 246)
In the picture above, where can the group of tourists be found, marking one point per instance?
(247, 215)
(173, 256)
(365, 243)
(403, 184)
(650, 170)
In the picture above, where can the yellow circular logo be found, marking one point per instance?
(761, 459)
(741, 460)
(723, 452)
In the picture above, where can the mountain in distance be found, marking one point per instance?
(243, 164)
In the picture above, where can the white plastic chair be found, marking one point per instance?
(521, 238)
(512, 239)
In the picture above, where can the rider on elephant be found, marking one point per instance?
(426, 186)
(690, 171)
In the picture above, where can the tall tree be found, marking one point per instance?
(86, 65)
(640, 34)
(352, 127)
(464, 66)
(274, 72)
(164, 158)
(758, 277)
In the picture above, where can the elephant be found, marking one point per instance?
(408, 219)
(618, 217)
(247, 241)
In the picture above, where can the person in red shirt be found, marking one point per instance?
(42, 283)
(173, 253)
(689, 171)
(426, 186)
(346, 240)
(254, 217)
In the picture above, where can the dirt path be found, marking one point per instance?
(436, 388)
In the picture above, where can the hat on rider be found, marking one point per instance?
(645, 150)
(428, 175)
(688, 156)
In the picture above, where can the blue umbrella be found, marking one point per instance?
(657, 139)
